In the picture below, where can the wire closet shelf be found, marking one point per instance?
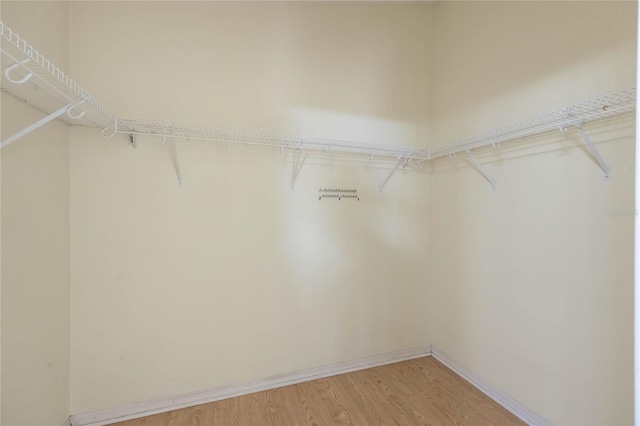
(29, 76)
(284, 142)
(613, 104)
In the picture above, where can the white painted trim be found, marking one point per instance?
(510, 404)
(161, 405)
(636, 263)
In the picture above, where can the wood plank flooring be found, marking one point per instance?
(415, 392)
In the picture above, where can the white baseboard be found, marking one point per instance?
(161, 405)
(513, 406)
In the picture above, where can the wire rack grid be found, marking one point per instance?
(29, 69)
(613, 104)
(172, 130)
(32, 70)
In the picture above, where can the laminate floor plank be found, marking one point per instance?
(416, 392)
(419, 397)
(365, 409)
(463, 400)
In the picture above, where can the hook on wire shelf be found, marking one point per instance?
(113, 132)
(78, 116)
(10, 69)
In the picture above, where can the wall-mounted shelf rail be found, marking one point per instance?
(299, 145)
(28, 75)
(613, 104)
(573, 116)
(284, 142)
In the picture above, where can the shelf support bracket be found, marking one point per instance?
(38, 124)
(594, 152)
(298, 162)
(480, 169)
(391, 172)
(176, 160)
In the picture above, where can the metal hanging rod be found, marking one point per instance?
(613, 104)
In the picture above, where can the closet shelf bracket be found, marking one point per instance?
(593, 151)
(64, 110)
(400, 160)
(176, 159)
(476, 164)
(298, 161)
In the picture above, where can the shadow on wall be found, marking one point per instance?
(248, 63)
(541, 262)
(354, 266)
(381, 51)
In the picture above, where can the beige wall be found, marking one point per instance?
(532, 285)
(501, 62)
(1, 85)
(235, 276)
(35, 241)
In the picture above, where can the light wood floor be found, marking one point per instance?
(416, 392)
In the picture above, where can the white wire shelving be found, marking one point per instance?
(298, 144)
(28, 75)
(613, 104)
(284, 142)
(576, 115)
(573, 116)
